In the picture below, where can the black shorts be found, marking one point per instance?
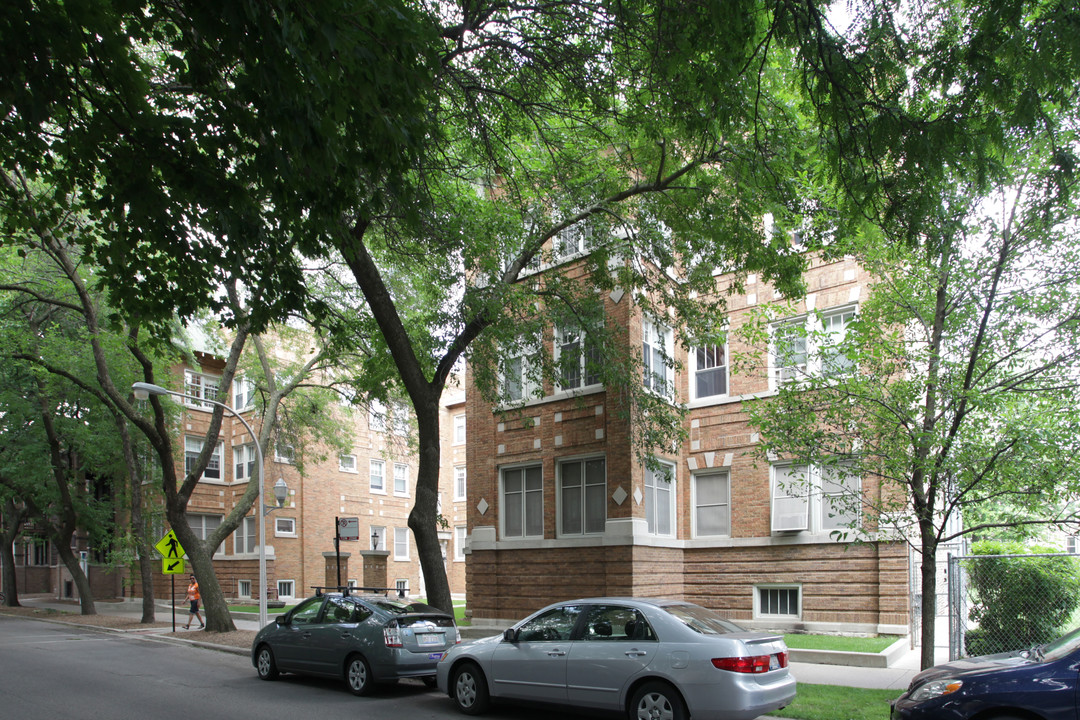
(194, 606)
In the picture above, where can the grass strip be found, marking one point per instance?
(835, 702)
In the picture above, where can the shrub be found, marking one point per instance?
(1018, 602)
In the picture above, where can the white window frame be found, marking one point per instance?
(696, 369)
(401, 586)
(577, 338)
(284, 453)
(201, 530)
(720, 506)
(286, 589)
(653, 492)
(378, 531)
(246, 537)
(848, 484)
(290, 522)
(780, 333)
(377, 416)
(461, 541)
(401, 479)
(244, 467)
(834, 325)
(790, 506)
(399, 420)
(377, 480)
(657, 343)
(201, 387)
(347, 463)
(460, 483)
(761, 609)
(243, 394)
(584, 500)
(523, 499)
(243, 589)
(401, 544)
(191, 454)
(459, 429)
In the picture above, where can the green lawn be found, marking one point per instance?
(836, 642)
(833, 702)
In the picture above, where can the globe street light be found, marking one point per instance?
(144, 390)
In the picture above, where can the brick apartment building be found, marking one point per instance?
(560, 508)
(374, 481)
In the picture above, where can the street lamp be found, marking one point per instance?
(144, 390)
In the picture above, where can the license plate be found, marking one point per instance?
(774, 662)
(429, 639)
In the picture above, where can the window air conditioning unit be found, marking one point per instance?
(790, 522)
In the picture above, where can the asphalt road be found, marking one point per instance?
(50, 671)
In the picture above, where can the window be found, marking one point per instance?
(555, 625)
(402, 587)
(243, 394)
(284, 527)
(523, 502)
(708, 371)
(840, 496)
(193, 446)
(789, 354)
(401, 543)
(377, 416)
(201, 388)
(459, 483)
(777, 601)
(791, 505)
(378, 476)
(519, 368)
(203, 525)
(244, 458)
(660, 500)
(712, 504)
(284, 453)
(616, 622)
(1071, 545)
(577, 359)
(400, 419)
(285, 590)
(378, 537)
(401, 479)
(37, 553)
(243, 588)
(583, 496)
(246, 537)
(834, 327)
(347, 463)
(461, 536)
(656, 341)
(573, 240)
(459, 429)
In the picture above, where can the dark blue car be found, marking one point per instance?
(1036, 684)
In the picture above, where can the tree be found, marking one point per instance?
(955, 386)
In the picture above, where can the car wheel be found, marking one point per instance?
(469, 689)
(657, 701)
(265, 663)
(358, 675)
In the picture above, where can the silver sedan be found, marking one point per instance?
(653, 659)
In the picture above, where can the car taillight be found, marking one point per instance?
(753, 664)
(392, 635)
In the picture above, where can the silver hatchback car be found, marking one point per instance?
(652, 659)
(361, 639)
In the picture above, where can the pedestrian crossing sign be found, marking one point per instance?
(172, 567)
(170, 547)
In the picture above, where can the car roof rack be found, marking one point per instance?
(320, 590)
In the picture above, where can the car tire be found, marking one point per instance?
(469, 689)
(265, 663)
(358, 675)
(657, 701)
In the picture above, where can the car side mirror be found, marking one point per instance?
(282, 620)
(510, 635)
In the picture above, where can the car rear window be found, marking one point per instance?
(702, 620)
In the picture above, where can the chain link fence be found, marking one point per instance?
(1001, 603)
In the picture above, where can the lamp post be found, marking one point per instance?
(144, 390)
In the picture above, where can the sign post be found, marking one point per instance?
(172, 565)
(345, 528)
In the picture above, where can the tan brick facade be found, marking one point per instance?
(852, 588)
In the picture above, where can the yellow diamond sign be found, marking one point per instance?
(170, 547)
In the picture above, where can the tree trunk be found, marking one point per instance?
(423, 520)
(71, 562)
(928, 580)
(13, 517)
(215, 609)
